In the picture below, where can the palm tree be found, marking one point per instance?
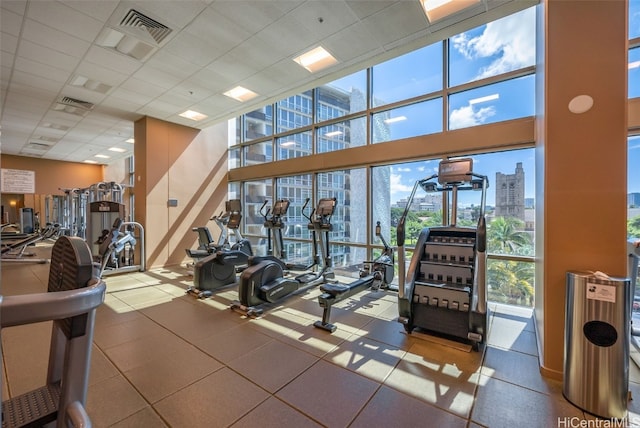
(506, 235)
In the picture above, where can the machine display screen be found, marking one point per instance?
(455, 170)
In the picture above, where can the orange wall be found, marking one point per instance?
(51, 175)
(581, 159)
(181, 163)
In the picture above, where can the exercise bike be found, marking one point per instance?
(375, 274)
(206, 244)
(220, 268)
(267, 281)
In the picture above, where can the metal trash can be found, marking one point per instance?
(596, 343)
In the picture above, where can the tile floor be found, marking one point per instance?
(164, 358)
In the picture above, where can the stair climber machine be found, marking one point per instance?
(268, 281)
(444, 289)
(220, 268)
(375, 274)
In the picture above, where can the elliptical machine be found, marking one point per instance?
(267, 281)
(444, 290)
(206, 244)
(220, 268)
(375, 274)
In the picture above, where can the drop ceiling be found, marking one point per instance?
(77, 74)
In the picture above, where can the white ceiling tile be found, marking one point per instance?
(217, 29)
(10, 23)
(58, 15)
(8, 43)
(14, 6)
(396, 22)
(363, 9)
(101, 74)
(172, 64)
(157, 76)
(41, 70)
(54, 39)
(248, 14)
(142, 87)
(194, 49)
(361, 44)
(48, 56)
(100, 10)
(324, 18)
(112, 60)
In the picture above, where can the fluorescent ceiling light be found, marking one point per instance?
(130, 140)
(438, 9)
(90, 161)
(240, 94)
(484, 99)
(193, 115)
(333, 134)
(634, 64)
(102, 156)
(394, 119)
(117, 149)
(316, 59)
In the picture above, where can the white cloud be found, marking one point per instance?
(515, 51)
(466, 116)
(396, 186)
(403, 169)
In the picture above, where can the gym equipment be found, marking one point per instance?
(74, 293)
(220, 268)
(444, 290)
(375, 274)
(16, 250)
(116, 249)
(206, 245)
(267, 282)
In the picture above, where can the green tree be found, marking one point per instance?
(511, 282)
(506, 235)
(633, 226)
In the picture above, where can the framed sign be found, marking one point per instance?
(17, 181)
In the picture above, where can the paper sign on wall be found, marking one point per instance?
(606, 293)
(17, 181)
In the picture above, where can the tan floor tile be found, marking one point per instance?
(439, 375)
(143, 297)
(511, 333)
(390, 408)
(329, 394)
(116, 334)
(101, 368)
(233, 343)
(146, 417)
(314, 340)
(517, 368)
(112, 400)
(161, 377)
(524, 406)
(218, 400)
(273, 413)
(273, 365)
(368, 358)
(390, 332)
(26, 360)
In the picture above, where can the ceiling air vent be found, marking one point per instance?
(135, 19)
(73, 106)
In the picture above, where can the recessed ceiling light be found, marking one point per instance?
(102, 156)
(130, 140)
(117, 149)
(240, 94)
(394, 119)
(484, 99)
(89, 161)
(316, 59)
(438, 9)
(193, 115)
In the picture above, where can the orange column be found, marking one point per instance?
(581, 157)
(183, 165)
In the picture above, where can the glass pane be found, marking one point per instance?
(294, 146)
(350, 217)
(234, 158)
(255, 193)
(507, 100)
(634, 19)
(408, 121)
(258, 123)
(342, 135)
(347, 260)
(495, 48)
(294, 112)
(237, 136)
(633, 187)
(258, 153)
(297, 189)
(510, 282)
(341, 97)
(234, 190)
(410, 75)
(634, 72)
